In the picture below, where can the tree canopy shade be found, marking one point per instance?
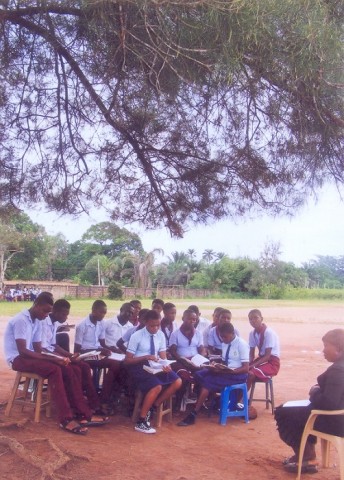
(170, 112)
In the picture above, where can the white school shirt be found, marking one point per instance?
(21, 327)
(49, 329)
(239, 352)
(214, 340)
(168, 334)
(271, 340)
(88, 334)
(203, 324)
(128, 333)
(114, 331)
(139, 343)
(184, 348)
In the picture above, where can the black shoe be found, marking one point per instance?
(188, 420)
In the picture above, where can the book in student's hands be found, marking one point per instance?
(92, 355)
(218, 366)
(157, 367)
(117, 356)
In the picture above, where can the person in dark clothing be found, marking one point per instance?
(327, 394)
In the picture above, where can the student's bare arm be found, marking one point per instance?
(130, 359)
(263, 359)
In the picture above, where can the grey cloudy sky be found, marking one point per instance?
(317, 229)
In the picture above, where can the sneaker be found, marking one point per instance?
(148, 417)
(240, 406)
(188, 420)
(143, 427)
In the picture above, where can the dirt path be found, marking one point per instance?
(204, 451)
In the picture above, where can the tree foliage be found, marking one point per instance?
(170, 112)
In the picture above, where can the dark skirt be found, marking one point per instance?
(145, 381)
(291, 422)
(215, 382)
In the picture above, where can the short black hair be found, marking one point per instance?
(151, 315)
(226, 328)
(194, 308)
(135, 302)
(61, 303)
(158, 301)
(98, 304)
(44, 298)
(168, 306)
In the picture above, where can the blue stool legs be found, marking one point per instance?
(229, 400)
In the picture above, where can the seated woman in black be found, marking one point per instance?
(327, 394)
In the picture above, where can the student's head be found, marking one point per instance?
(126, 311)
(216, 315)
(170, 311)
(255, 318)
(195, 309)
(141, 317)
(158, 304)
(42, 306)
(189, 318)
(99, 310)
(333, 345)
(61, 310)
(136, 304)
(224, 316)
(226, 331)
(152, 320)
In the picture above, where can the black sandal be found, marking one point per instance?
(90, 422)
(77, 429)
(308, 466)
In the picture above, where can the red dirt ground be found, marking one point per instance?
(203, 451)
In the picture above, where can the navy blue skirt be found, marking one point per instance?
(216, 382)
(145, 381)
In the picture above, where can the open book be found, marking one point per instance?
(92, 355)
(196, 361)
(157, 367)
(218, 366)
(117, 356)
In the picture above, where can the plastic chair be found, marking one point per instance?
(326, 439)
(269, 393)
(33, 398)
(228, 406)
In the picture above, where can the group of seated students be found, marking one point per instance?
(127, 343)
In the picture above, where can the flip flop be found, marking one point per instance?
(92, 422)
(291, 459)
(310, 466)
(77, 429)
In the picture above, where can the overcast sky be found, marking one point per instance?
(317, 229)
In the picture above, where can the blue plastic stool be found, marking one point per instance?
(228, 406)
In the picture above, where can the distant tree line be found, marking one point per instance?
(107, 253)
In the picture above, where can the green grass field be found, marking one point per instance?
(81, 307)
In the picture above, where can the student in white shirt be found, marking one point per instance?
(146, 344)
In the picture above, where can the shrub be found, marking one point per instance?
(115, 291)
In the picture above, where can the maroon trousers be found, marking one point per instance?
(54, 375)
(111, 375)
(65, 383)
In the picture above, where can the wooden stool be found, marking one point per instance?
(269, 393)
(29, 399)
(164, 409)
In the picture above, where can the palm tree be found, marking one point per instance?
(208, 255)
(142, 267)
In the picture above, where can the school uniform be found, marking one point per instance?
(186, 348)
(114, 330)
(167, 331)
(267, 339)
(203, 324)
(140, 346)
(214, 340)
(234, 354)
(77, 377)
(22, 327)
(88, 335)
